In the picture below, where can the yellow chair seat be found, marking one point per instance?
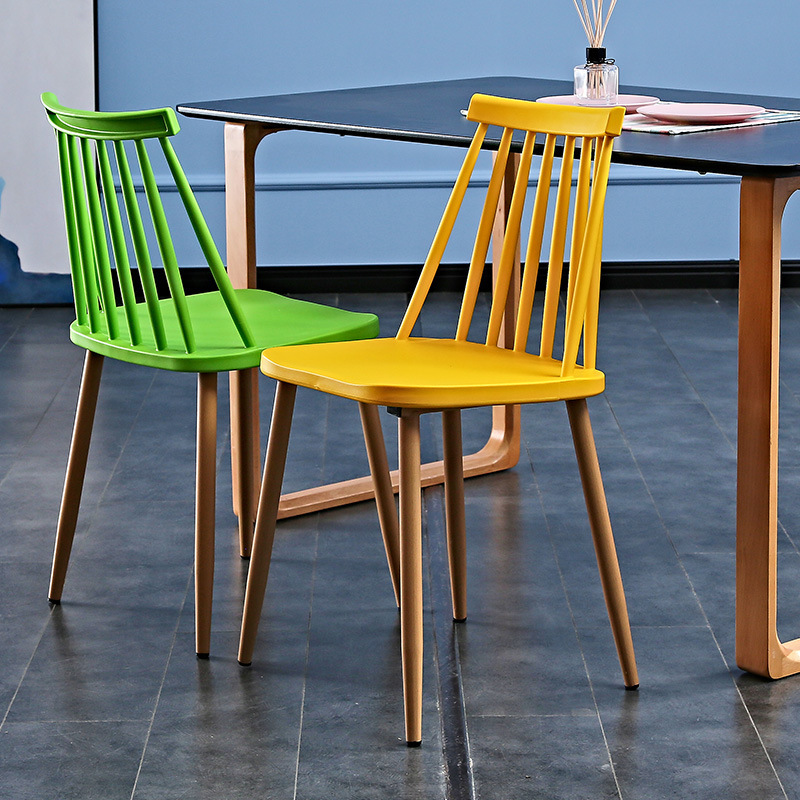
(428, 373)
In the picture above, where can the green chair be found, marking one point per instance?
(115, 222)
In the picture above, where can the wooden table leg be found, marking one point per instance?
(241, 141)
(501, 450)
(758, 648)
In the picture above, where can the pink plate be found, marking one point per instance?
(630, 101)
(700, 112)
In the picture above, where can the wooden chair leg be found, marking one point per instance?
(411, 573)
(384, 493)
(600, 524)
(454, 505)
(205, 497)
(76, 471)
(244, 456)
(266, 518)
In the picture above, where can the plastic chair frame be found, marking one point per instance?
(563, 129)
(115, 317)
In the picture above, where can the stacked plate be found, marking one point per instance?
(699, 112)
(632, 102)
(673, 112)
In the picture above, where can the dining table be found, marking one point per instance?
(765, 158)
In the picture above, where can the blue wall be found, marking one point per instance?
(331, 200)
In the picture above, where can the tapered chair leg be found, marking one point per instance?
(76, 471)
(244, 455)
(266, 518)
(600, 524)
(454, 504)
(384, 494)
(411, 573)
(205, 497)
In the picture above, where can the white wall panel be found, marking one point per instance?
(44, 46)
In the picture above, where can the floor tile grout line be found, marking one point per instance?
(88, 518)
(26, 668)
(307, 659)
(460, 782)
(575, 629)
(305, 664)
(757, 732)
(134, 420)
(680, 366)
(699, 603)
(157, 702)
(18, 326)
(716, 423)
(686, 574)
(41, 418)
(700, 397)
(52, 609)
(94, 721)
(101, 494)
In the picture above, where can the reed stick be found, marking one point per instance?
(594, 19)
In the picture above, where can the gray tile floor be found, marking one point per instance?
(103, 698)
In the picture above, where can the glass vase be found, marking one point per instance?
(596, 81)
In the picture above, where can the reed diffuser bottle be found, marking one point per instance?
(596, 81)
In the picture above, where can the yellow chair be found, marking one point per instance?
(415, 375)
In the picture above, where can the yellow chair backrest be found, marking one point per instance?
(548, 129)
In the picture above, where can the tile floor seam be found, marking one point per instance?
(98, 721)
(610, 759)
(685, 374)
(157, 701)
(307, 657)
(32, 433)
(3, 722)
(665, 529)
(134, 419)
(576, 632)
(458, 764)
(89, 514)
(701, 609)
(760, 739)
(17, 328)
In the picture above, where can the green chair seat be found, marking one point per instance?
(274, 320)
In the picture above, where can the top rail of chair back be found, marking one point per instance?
(110, 125)
(546, 117)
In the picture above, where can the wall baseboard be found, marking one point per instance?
(402, 277)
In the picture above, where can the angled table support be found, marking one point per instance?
(241, 142)
(500, 452)
(758, 648)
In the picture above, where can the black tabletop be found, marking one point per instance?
(431, 113)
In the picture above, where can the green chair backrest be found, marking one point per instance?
(100, 228)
